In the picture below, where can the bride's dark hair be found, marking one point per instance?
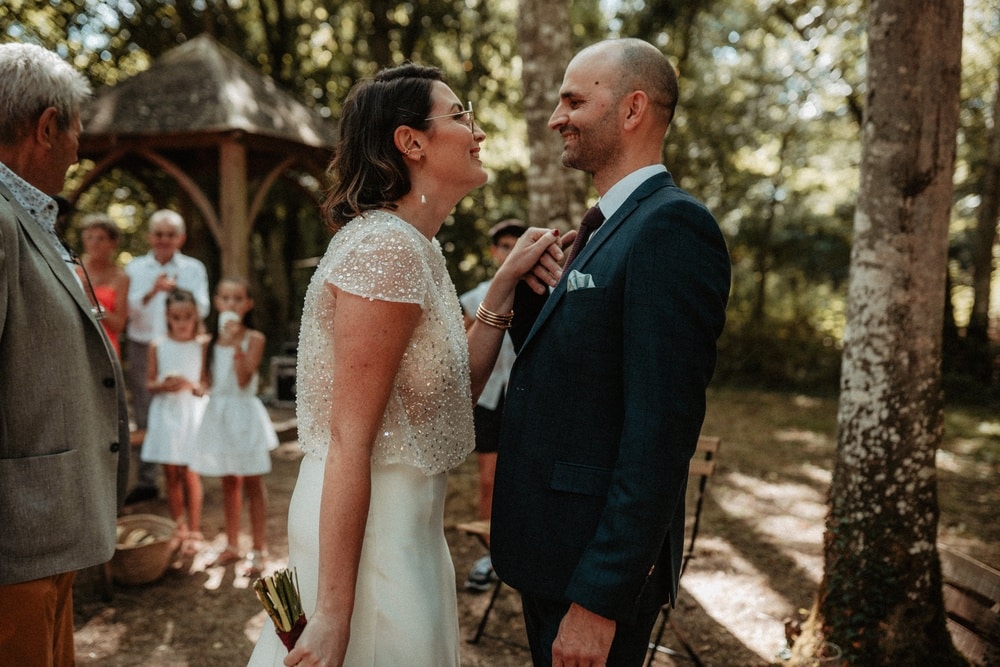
(367, 169)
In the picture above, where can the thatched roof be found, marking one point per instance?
(202, 87)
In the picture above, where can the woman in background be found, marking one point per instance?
(100, 237)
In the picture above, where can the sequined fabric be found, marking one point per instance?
(428, 421)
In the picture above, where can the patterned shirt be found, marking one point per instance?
(41, 207)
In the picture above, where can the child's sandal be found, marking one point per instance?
(192, 544)
(225, 557)
(255, 563)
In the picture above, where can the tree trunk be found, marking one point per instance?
(763, 249)
(880, 598)
(982, 266)
(555, 193)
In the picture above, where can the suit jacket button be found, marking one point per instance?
(109, 382)
(114, 447)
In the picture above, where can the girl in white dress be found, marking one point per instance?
(176, 381)
(236, 434)
(385, 381)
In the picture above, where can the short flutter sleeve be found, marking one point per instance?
(428, 418)
(383, 258)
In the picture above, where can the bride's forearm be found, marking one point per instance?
(343, 514)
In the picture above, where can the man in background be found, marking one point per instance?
(63, 418)
(151, 278)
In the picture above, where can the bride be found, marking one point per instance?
(385, 381)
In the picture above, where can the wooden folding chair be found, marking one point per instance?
(702, 467)
(972, 601)
(481, 531)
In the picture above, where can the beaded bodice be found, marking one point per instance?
(428, 420)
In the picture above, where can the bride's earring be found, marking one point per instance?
(423, 199)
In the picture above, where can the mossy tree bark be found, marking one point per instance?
(544, 36)
(880, 597)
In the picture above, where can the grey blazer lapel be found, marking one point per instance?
(48, 252)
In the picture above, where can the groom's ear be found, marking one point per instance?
(636, 108)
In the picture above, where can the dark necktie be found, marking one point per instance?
(592, 219)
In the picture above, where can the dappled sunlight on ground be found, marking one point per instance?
(946, 460)
(966, 457)
(808, 438)
(817, 474)
(748, 594)
(100, 637)
(757, 561)
(728, 587)
(989, 428)
(757, 498)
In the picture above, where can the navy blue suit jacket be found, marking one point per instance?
(604, 407)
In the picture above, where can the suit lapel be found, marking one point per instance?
(43, 244)
(601, 236)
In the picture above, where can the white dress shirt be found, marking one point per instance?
(623, 189)
(147, 322)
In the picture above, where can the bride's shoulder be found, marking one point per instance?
(377, 224)
(377, 236)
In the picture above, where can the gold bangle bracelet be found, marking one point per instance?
(492, 319)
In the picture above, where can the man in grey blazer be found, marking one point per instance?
(607, 395)
(63, 419)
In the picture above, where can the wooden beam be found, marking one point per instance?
(233, 211)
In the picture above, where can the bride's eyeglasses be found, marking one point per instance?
(464, 116)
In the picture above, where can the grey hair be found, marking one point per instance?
(32, 79)
(166, 215)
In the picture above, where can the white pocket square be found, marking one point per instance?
(577, 280)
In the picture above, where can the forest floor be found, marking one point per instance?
(758, 557)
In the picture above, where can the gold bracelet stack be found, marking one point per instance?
(492, 319)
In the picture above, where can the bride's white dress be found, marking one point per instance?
(405, 610)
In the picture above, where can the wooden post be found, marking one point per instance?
(234, 244)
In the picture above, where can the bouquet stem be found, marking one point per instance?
(279, 593)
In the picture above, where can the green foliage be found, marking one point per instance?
(778, 354)
(767, 131)
(768, 135)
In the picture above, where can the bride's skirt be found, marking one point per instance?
(405, 610)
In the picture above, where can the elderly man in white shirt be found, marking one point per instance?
(153, 276)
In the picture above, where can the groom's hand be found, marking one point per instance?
(584, 639)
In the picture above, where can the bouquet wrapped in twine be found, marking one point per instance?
(279, 593)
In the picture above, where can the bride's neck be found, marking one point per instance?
(423, 212)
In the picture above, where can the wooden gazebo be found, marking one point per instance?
(223, 132)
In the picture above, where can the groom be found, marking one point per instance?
(607, 396)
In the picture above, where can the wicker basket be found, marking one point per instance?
(144, 563)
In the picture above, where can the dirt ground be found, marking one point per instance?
(758, 561)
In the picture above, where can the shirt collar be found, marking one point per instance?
(623, 189)
(171, 263)
(40, 206)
